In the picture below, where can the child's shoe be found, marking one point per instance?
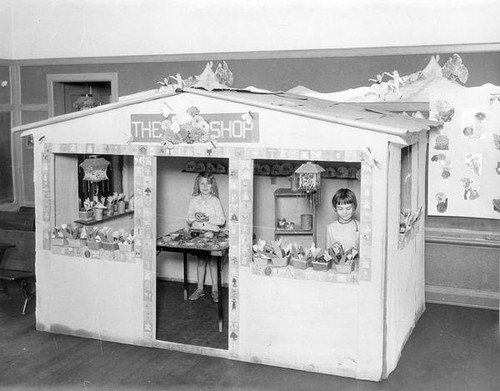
(215, 296)
(197, 294)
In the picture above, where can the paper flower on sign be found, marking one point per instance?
(187, 127)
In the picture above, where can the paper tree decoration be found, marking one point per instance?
(94, 169)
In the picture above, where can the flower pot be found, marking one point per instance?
(344, 268)
(280, 262)
(59, 241)
(121, 207)
(109, 246)
(86, 214)
(110, 211)
(98, 213)
(77, 243)
(322, 266)
(126, 247)
(260, 261)
(93, 245)
(301, 263)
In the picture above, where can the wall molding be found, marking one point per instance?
(263, 55)
(462, 297)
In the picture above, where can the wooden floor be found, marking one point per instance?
(452, 348)
(189, 322)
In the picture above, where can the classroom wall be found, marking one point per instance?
(6, 29)
(48, 29)
(325, 74)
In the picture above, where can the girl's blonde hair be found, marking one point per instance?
(210, 179)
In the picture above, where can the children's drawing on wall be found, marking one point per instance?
(496, 140)
(494, 101)
(442, 202)
(444, 163)
(474, 124)
(470, 192)
(473, 161)
(442, 143)
(464, 154)
(442, 110)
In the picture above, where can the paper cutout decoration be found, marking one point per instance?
(442, 202)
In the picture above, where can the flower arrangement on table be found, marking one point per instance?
(187, 127)
(344, 260)
(271, 251)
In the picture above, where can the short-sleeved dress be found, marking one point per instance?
(346, 234)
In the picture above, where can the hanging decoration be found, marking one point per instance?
(84, 102)
(95, 169)
(309, 180)
(95, 172)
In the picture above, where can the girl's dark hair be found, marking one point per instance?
(344, 197)
(210, 179)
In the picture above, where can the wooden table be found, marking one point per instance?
(194, 242)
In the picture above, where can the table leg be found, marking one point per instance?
(219, 291)
(27, 296)
(184, 261)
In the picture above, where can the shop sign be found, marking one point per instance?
(225, 127)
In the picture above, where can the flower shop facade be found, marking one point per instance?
(352, 323)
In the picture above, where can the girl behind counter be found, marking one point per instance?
(205, 212)
(345, 230)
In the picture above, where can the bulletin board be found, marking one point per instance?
(464, 155)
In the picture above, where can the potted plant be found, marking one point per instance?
(109, 239)
(266, 252)
(93, 239)
(300, 257)
(87, 212)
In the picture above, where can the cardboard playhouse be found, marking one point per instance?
(352, 323)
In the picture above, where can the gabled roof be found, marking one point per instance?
(310, 107)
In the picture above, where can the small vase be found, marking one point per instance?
(111, 210)
(121, 207)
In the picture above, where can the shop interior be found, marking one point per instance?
(281, 212)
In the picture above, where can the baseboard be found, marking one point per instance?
(461, 297)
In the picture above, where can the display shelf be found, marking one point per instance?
(104, 219)
(279, 231)
(290, 207)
